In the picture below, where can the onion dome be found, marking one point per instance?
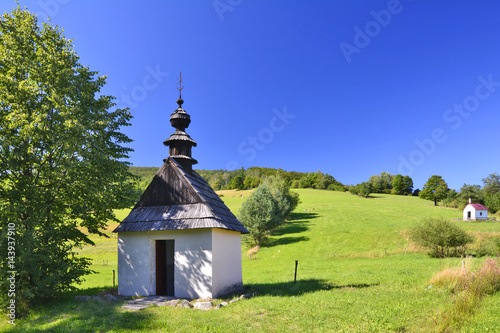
(180, 142)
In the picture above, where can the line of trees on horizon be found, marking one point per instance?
(250, 178)
(436, 189)
(385, 183)
(488, 194)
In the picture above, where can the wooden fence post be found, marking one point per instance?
(295, 277)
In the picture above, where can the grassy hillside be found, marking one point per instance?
(357, 272)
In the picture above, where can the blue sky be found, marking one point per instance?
(352, 88)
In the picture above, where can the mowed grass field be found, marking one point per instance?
(357, 272)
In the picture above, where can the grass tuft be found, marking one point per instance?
(468, 288)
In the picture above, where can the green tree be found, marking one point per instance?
(492, 201)
(259, 214)
(435, 189)
(467, 192)
(286, 200)
(444, 238)
(398, 186)
(491, 192)
(236, 183)
(381, 183)
(247, 183)
(312, 179)
(326, 181)
(61, 158)
(363, 189)
(492, 184)
(408, 185)
(303, 182)
(451, 199)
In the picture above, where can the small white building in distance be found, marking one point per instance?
(475, 211)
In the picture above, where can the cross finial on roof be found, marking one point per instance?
(180, 100)
(180, 84)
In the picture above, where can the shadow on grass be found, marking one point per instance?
(298, 216)
(285, 241)
(297, 223)
(376, 196)
(68, 315)
(284, 289)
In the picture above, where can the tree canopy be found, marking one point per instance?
(435, 189)
(62, 169)
(267, 208)
(259, 214)
(492, 184)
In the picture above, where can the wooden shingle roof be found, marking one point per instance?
(179, 200)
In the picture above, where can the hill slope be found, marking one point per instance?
(353, 275)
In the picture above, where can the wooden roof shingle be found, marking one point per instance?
(179, 200)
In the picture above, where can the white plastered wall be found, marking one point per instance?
(468, 209)
(476, 214)
(193, 262)
(481, 214)
(226, 249)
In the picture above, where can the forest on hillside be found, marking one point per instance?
(250, 178)
(488, 194)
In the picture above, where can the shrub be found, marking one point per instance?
(365, 189)
(259, 214)
(353, 190)
(286, 200)
(336, 187)
(444, 238)
(486, 244)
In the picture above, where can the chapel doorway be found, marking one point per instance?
(165, 267)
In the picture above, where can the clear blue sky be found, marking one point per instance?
(352, 88)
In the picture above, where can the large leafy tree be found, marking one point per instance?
(408, 185)
(435, 189)
(402, 185)
(492, 184)
(236, 183)
(472, 192)
(491, 192)
(62, 169)
(382, 183)
(492, 201)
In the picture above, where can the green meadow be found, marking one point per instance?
(357, 272)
